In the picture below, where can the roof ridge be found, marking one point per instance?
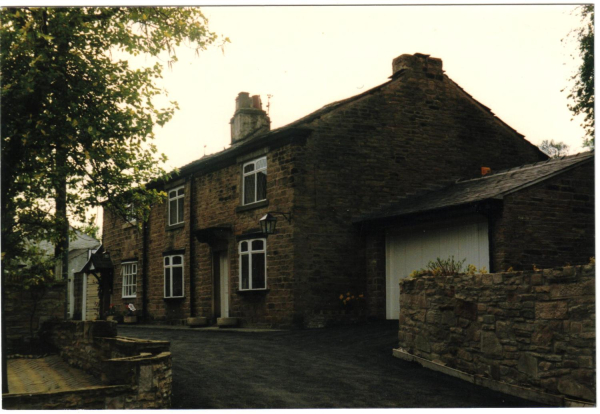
(524, 167)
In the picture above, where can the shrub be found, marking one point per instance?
(447, 267)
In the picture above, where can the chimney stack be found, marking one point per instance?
(418, 63)
(249, 117)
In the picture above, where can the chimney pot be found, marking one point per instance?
(256, 102)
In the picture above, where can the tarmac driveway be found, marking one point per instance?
(342, 367)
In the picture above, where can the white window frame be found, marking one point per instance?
(168, 269)
(249, 253)
(176, 197)
(255, 173)
(131, 218)
(129, 288)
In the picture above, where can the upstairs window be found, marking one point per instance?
(173, 276)
(130, 213)
(129, 274)
(253, 264)
(176, 197)
(255, 180)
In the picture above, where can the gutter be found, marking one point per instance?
(145, 233)
(192, 248)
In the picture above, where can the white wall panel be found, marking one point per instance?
(411, 248)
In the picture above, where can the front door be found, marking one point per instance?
(221, 285)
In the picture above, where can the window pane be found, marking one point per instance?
(261, 188)
(172, 194)
(180, 210)
(249, 193)
(249, 167)
(257, 245)
(262, 163)
(244, 247)
(245, 272)
(177, 281)
(172, 211)
(177, 260)
(258, 271)
(180, 191)
(133, 286)
(168, 283)
(167, 261)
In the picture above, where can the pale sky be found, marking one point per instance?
(508, 57)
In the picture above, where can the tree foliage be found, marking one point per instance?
(554, 149)
(581, 95)
(76, 116)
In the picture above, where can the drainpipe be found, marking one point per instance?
(192, 248)
(145, 266)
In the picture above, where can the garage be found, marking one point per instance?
(411, 248)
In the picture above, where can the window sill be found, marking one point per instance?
(128, 297)
(251, 292)
(175, 226)
(174, 298)
(252, 206)
(129, 225)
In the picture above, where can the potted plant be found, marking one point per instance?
(131, 316)
(110, 314)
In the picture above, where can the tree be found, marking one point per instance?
(554, 149)
(77, 124)
(582, 91)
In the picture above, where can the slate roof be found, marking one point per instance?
(98, 261)
(492, 186)
(81, 242)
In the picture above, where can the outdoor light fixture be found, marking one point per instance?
(269, 222)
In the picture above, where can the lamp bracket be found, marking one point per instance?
(287, 216)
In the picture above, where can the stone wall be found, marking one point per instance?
(532, 330)
(143, 366)
(124, 242)
(214, 197)
(549, 224)
(18, 307)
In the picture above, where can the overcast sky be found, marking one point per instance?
(511, 58)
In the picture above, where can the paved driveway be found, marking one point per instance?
(344, 367)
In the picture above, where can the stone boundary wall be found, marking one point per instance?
(532, 332)
(136, 373)
(18, 307)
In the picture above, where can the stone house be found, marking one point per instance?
(203, 253)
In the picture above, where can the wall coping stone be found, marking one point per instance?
(510, 389)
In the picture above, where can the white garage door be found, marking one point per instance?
(409, 249)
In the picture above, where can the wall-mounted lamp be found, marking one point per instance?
(269, 222)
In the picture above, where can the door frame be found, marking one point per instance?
(221, 284)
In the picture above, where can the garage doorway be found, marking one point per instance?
(411, 248)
